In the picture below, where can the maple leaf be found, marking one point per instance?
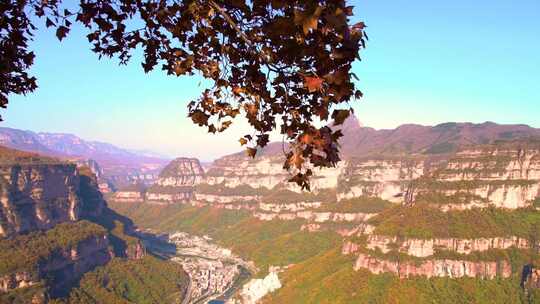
(313, 84)
(306, 139)
(308, 21)
(251, 152)
(339, 116)
(238, 90)
(199, 118)
(61, 32)
(296, 160)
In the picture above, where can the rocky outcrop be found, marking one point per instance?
(224, 199)
(134, 193)
(503, 175)
(128, 196)
(318, 217)
(530, 277)
(176, 182)
(168, 195)
(291, 207)
(349, 248)
(256, 289)
(264, 172)
(428, 247)
(435, 268)
(17, 280)
(181, 172)
(62, 267)
(66, 266)
(386, 178)
(37, 196)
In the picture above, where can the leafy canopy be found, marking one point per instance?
(278, 63)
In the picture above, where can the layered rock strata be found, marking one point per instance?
(428, 247)
(176, 181)
(37, 196)
(318, 217)
(435, 268)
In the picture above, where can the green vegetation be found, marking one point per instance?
(25, 251)
(432, 184)
(275, 242)
(284, 196)
(12, 156)
(264, 242)
(144, 281)
(434, 197)
(426, 222)
(536, 202)
(221, 189)
(329, 278)
(363, 204)
(179, 217)
(169, 189)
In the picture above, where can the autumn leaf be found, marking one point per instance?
(306, 139)
(238, 90)
(308, 21)
(242, 141)
(61, 32)
(296, 160)
(251, 152)
(313, 84)
(339, 116)
(49, 23)
(199, 118)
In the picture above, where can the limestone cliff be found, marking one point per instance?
(428, 247)
(176, 181)
(181, 172)
(37, 196)
(435, 268)
(502, 174)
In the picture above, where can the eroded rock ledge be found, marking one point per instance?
(435, 268)
(428, 247)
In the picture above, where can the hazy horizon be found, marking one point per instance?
(426, 63)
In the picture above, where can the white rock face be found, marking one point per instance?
(435, 268)
(318, 217)
(256, 289)
(502, 176)
(427, 247)
(236, 170)
(220, 199)
(181, 172)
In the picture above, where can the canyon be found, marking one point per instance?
(383, 208)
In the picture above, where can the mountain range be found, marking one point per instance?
(71, 146)
(359, 141)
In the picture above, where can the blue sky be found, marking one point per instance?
(427, 62)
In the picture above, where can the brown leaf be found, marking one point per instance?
(199, 118)
(313, 83)
(251, 152)
(238, 90)
(296, 159)
(339, 116)
(242, 141)
(61, 32)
